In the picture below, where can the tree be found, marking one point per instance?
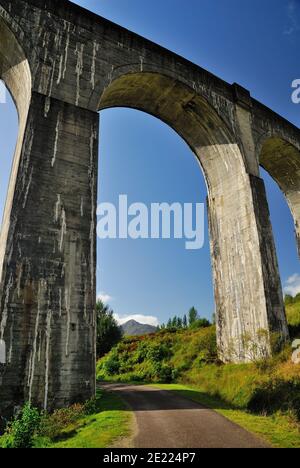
(193, 316)
(169, 324)
(179, 322)
(288, 299)
(297, 298)
(184, 321)
(174, 322)
(108, 331)
(201, 323)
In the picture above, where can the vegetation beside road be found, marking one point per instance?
(190, 357)
(99, 423)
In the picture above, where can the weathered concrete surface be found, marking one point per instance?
(47, 318)
(63, 64)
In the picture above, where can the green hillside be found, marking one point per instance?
(161, 357)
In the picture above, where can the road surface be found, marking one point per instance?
(166, 420)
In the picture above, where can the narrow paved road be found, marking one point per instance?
(167, 420)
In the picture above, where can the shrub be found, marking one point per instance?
(20, 433)
(200, 323)
(91, 406)
(52, 424)
(277, 394)
(112, 363)
(206, 345)
(158, 351)
(163, 373)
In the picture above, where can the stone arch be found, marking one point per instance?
(280, 157)
(248, 295)
(180, 107)
(16, 74)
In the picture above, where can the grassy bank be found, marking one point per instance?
(99, 424)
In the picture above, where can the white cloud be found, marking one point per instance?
(105, 298)
(293, 23)
(292, 285)
(144, 319)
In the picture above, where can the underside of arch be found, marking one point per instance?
(16, 74)
(281, 160)
(176, 104)
(14, 69)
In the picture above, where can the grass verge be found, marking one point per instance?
(100, 430)
(277, 429)
(100, 423)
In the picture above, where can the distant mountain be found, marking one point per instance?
(133, 328)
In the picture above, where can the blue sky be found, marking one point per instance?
(254, 43)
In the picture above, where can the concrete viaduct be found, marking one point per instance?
(62, 65)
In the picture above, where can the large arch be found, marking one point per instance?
(241, 282)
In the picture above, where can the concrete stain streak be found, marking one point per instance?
(57, 130)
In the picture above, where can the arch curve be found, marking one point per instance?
(186, 112)
(16, 74)
(281, 159)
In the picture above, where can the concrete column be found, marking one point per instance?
(47, 314)
(293, 200)
(248, 293)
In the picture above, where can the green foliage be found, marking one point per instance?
(95, 424)
(200, 323)
(112, 363)
(20, 433)
(193, 316)
(156, 352)
(159, 358)
(288, 300)
(277, 394)
(53, 424)
(293, 315)
(91, 406)
(178, 323)
(108, 331)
